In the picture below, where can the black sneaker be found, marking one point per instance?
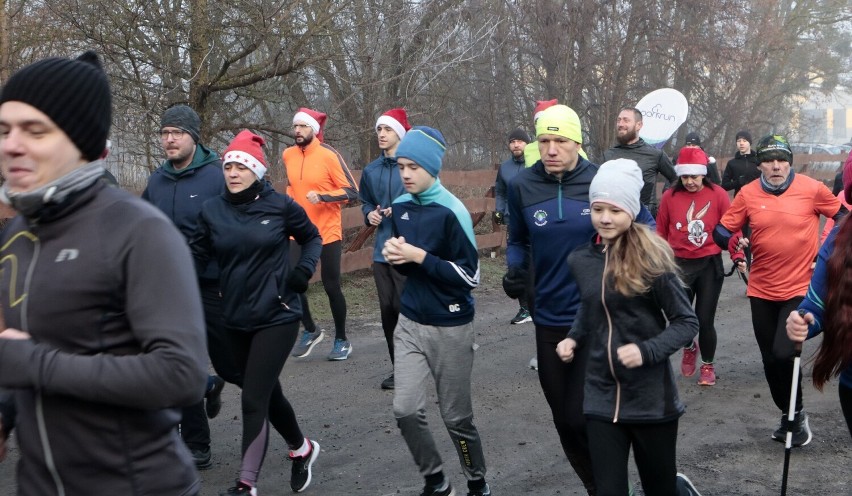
(241, 489)
(801, 428)
(300, 475)
(388, 383)
(443, 489)
(522, 317)
(484, 491)
(202, 458)
(213, 397)
(685, 487)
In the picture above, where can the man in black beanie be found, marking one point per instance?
(191, 174)
(103, 335)
(743, 168)
(518, 140)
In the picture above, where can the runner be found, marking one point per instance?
(550, 201)
(319, 181)
(247, 231)
(826, 308)
(689, 211)
(380, 185)
(627, 278)
(103, 331)
(434, 246)
(783, 209)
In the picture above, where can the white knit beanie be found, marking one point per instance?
(618, 183)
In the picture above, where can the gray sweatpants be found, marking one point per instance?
(447, 354)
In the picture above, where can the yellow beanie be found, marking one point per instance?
(560, 120)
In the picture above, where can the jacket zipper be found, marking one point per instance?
(609, 339)
(42, 426)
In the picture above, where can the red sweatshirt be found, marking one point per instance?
(686, 220)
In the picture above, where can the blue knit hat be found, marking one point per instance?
(425, 146)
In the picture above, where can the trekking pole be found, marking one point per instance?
(791, 413)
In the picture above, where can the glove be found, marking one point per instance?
(298, 279)
(498, 218)
(515, 282)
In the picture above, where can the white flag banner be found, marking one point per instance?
(663, 111)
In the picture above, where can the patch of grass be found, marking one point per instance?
(359, 288)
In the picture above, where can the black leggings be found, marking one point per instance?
(769, 319)
(845, 394)
(562, 384)
(389, 285)
(654, 451)
(704, 278)
(261, 356)
(330, 275)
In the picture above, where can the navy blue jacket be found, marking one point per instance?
(507, 171)
(180, 194)
(437, 292)
(380, 185)
(555, 219)
(251, 243)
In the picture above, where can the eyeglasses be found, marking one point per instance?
(176, 134)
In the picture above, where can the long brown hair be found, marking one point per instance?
(637, 257)
(835, 352)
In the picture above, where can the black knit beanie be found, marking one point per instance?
(74, 93)
(744, 135)
(519, 134)
(182, 117)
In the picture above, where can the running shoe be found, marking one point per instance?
(341, 349)
(202, 458)
(388, 383)
(708, 375)
(685, 486)
(443, 489)
(300, 474)
(213, 396)
(307, 342)
(534, 363)
(802, 434)
(484, 491)
(241, 489)
(687, 365)
(522, 317)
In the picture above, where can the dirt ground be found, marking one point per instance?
(724, 444)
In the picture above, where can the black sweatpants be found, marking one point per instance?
(562, 384)
(330, 276)
(769, 319)
(704, 278)
(389, 285)
(654, 451)
(194, 428)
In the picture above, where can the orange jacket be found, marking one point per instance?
(320, 168)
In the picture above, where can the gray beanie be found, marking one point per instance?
(618, 182)
(182, 117)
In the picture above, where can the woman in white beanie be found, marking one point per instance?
(629, 289)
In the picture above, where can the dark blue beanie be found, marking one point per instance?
(425, 146)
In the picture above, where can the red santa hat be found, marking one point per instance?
(396, 119)
(246, 149)
(313, 118)
(691, 161)
(541, 106)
